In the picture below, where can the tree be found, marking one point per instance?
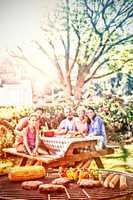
(128, 87)
(108, 21)
(91, 35)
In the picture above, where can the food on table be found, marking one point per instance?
(31, 185)
(114, 181)
(71, 134)
(92, 177)
(48, 133)
(94, 174)
(74, 173)
(89, 183)
(62, 180)
(26, 173)
(77, 134)
(123, 182)
(102, 176)
(71, 174)
(5, 167)
(47, 188)
(62, 172)
(68, 135)
(83, 174)
(108, 179)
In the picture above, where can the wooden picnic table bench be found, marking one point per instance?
(76, 151)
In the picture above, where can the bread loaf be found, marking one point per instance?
(123, 182)
(26, 173)
(107, 180)
(114, 181)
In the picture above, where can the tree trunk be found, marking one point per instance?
(69, 85)
(79, 87)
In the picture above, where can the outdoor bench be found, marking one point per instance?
(71, 155)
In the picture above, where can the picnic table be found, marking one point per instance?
(68, 152)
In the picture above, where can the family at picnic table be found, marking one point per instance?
(88, 124)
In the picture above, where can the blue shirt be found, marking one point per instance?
(97, 126)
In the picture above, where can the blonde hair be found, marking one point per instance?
(81, 108)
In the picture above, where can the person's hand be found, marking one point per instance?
(94, 134)
(60, 131)
(30, 153)
(34, 153)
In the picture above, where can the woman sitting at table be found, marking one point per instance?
(96, 127)
(68, 124)
(82, 121)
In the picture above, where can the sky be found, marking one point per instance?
(20, 20)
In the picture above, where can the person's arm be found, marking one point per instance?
(36, 142)
(82, 127)
(17, 132)
(99, 128)
(61, 129)
(22, 124)
(26, 143)
(85, 131)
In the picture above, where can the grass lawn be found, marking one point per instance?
(116, 161)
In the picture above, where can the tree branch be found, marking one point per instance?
(122, 10)
(44, 51)
(58, 67)
(75, 58)
(22, 57)
(95, 70)
(107, 74)
(90, 16)
(119, 42)
(68, 37)
(113, 71)
(104, 7)
(52, 25)
(77, 49)
(63, 42)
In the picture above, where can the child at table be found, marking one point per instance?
(29, 142)
(28, 139)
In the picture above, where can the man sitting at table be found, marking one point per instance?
(23, 123)
(69, 123)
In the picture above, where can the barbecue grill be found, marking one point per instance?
(13, 191)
